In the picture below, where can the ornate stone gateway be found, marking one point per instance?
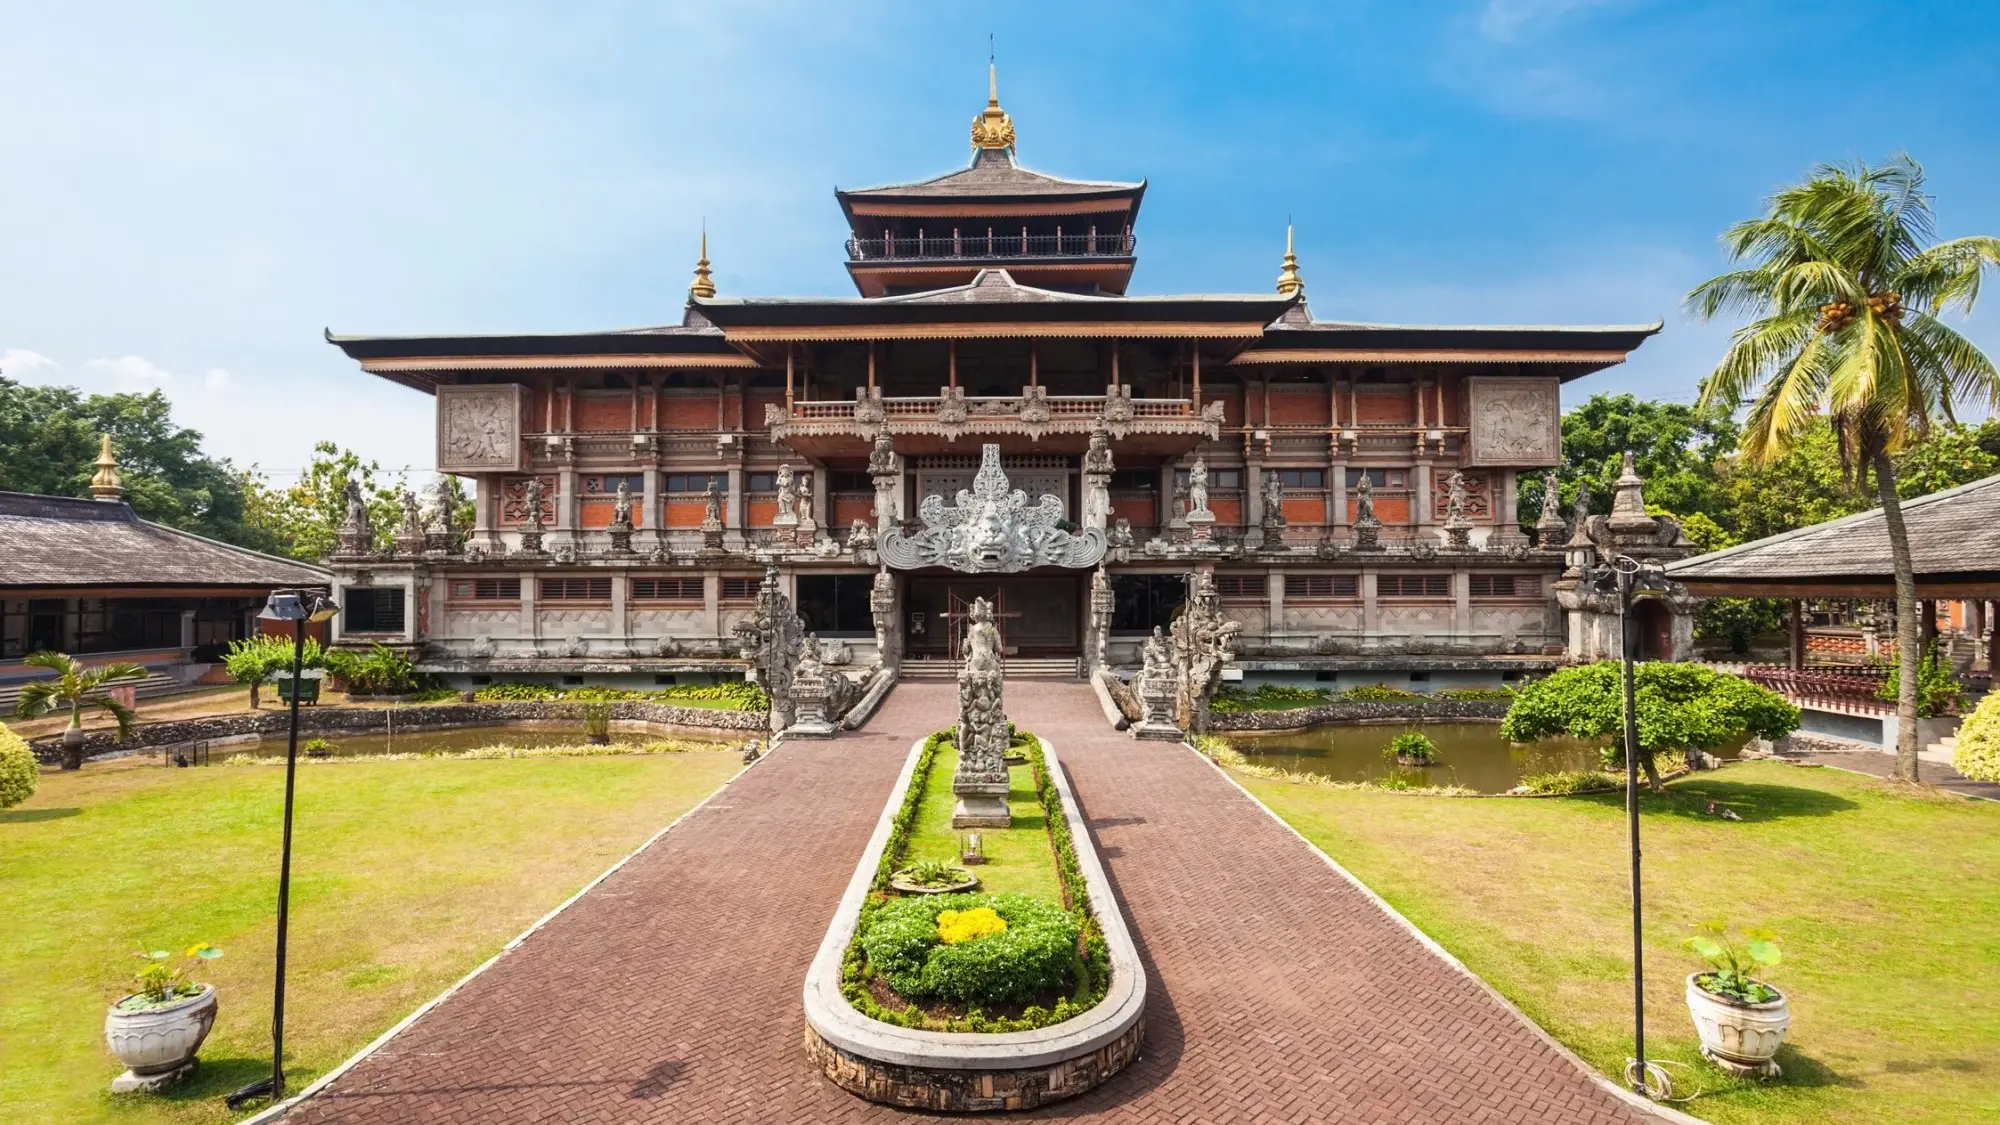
(992, 529)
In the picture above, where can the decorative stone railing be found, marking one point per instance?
(953, 413)
(959, 1072)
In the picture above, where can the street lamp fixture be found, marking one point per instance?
(298, 608)
(1629, 579)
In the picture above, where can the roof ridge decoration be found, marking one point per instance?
(1290, 284)
(992, 128)
(105, 485)
(703, 285)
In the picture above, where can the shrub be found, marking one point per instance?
(254, 660)
(511, 692)
(379, 671)
(597, 720)
(1034, 953)
(1411, 746)
(1477, 694)
(1978, 753)
(18, 771)
(1373, 693)
(1938, 688)
(1680, 707)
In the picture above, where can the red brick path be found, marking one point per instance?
(671, 993)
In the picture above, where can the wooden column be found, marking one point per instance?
(1927, 628)
(951, 364)
(788, 379)
(1797, 632)
(1196, 397)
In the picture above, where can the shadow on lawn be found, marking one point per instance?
(1753, 802)
(35, 816)
(215, 1078)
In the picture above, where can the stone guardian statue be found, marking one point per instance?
(981, 781)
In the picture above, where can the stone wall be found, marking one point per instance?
(1357, 711)
(940, 1089)
(372, 720)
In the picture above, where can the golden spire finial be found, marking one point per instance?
(703, 285)
(992, 128)
(1290, 284)
(105, 485)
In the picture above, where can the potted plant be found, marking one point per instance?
(597, 723)
(156, 1031)
(1741, 1020)
(75, 687)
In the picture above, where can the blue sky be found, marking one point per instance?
(189, 193)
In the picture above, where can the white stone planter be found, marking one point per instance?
(1742, 1039)
(157, 1045)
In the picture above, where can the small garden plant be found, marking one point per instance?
(164, 979)
(254, 660)
(379, 671)
(739, 694)
(19, 771)
(1939, 691)
(1411, 748)
(1733, 964)
(932, 873)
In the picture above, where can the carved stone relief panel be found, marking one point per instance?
(1515, 422)
(479, 428)
(514, 501)
(1478, 496)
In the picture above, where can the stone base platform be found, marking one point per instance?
(971, 1091)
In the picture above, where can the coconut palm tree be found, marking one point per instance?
(75, 687)
(1844, 284)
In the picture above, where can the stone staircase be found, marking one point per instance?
(1015, 668)
(156, 683)
(1940, 751)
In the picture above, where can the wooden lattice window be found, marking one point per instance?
(1240, 585)
(1506, 585)
(1413, 585)
(1327, 586)
(575, 589)
(486, 589)
(667, 589)
(740, 589)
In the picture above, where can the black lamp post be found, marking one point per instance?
(300, 608)
(1628, 579)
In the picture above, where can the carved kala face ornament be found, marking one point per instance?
(992, 528)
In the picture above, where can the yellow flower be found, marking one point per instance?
(955, 926)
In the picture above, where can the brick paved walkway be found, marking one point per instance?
(1279, 993)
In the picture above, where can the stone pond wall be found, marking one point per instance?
(945, 1090)
(1354, 711)
(373, 720)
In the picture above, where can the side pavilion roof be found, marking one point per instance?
(63, 543)
(1954, 538)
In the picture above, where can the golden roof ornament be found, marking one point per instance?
(1290, 284)
(992, 128)
(703, 285)
(105, 485)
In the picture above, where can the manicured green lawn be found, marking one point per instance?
(1886, 900)
(406, 875)
(1018, 858)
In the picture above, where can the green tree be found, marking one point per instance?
(49, 442)
(306, 517)
(1676, 447)
(75, 687)
(1844, 284)
(1679, 707)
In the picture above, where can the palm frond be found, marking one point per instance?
(1948, 274)
(1744, 291)
(58, 662)
(121, 713)
(1968, 375)
(1788, 402)
(1815, 283)
(1756, 350)
(36, 699)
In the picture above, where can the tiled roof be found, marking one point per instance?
(1954, 532)
(992, 173)
(50, 541)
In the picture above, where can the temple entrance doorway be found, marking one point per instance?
(1037, 615)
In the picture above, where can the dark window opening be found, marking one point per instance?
(1510, 677)
(850, 482)
(836, 603)
(1301, 478)
(481, 681)
(372, 609)
(1306, 586)
(1420, 677)
(664, 680)
(1135, 480)
(1326, 677)
(576, 589)
(1142, 602)
(1380, 478)
(760, 482)
(1217, 478)
(684, 483)
(608, 485)
(572, 679)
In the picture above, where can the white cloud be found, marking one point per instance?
(215, 378)
(134, 367)
(1503, 21)
(15, 362)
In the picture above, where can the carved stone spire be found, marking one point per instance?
(1628, 502)
(105, 485)
(1290, 284)
(992, 128)
(703, 285)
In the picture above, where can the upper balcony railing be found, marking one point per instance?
(993, 244)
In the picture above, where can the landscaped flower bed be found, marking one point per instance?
(1007, 999)
(1044, 964)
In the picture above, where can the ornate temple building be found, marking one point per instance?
(992, 415)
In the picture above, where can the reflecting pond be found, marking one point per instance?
(1469, 754)
(446, 740)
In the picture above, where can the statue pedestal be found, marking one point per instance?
(981, 805)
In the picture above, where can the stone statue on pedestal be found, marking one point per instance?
(1367, 529)
(1457, 526)
(981, 781)
(621, 519)
(788, 499)
(711, 520)
(1202, 641)
(1157, 685)
(1549, 527)
(1198, 493)
(771, 639)
(1274, 502)
(356, 535)
(1097, 469)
